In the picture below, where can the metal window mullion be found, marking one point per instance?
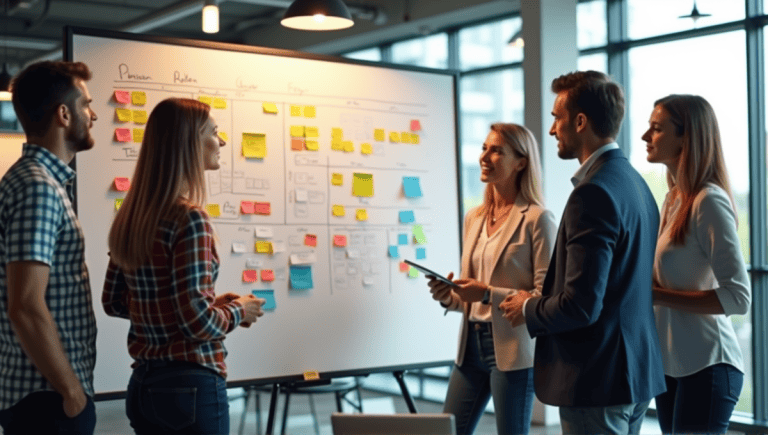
(618, 60)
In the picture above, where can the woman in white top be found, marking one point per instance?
(508, 242)
(699, 274)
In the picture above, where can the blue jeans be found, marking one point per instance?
(702, 402)
(177, 398)
(42, 412)
(477, 379)
(617, 419)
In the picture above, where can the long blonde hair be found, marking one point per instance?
(701, 158)
(167, 181)
(521, 141)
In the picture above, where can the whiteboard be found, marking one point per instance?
(362, 313)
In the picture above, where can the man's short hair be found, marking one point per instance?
(42, 87)
(595, 95)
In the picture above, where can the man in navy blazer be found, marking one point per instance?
(597, 353)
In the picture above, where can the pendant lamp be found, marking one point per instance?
(317, 15)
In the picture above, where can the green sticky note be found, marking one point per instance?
(413, 273)
(418, 234)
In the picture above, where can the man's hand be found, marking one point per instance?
(470, 290)
(74, 403)
(253, 310)
(225, 299)
(512, 306)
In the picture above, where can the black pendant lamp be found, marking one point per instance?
(317, 15)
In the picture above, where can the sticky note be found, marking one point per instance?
(411, 187)
(223, 136)
(406, 216)
(338, 210)
(301, 195)
(139, 98)
(263, 247)
(337, 145)
(415, 125)
(421, 253)
(268, 296)
(295, 110)
(362, 184)
(366, 148)
(123, 97)
(124, 115)
(337, 133)
(310, 240)
(123, 134)
(263, 232)
(304, 258)
(267, 275)
(312, 145)
(219, 103)
(368, 280)
(138, 135)
(238, 247)
(361, 214)
(301, 277)
(118, 203)
(413, 273)
(378, 134)
(394, 136)
(205, 99)
(297, 131)
(404, 266)
(297, 144)
(393, 252)
(213, 210)
(140, 116)
(262, 208)
(269, 107)
(349, 147)
(250, 276)
(309, 111)
(353, 253)
(253, 263)
(311, 132)
(122, 184)
(246, 207)
(402, 239)
(337, 179)
(415, 138)
(254, 145)
(340, 240)
(418, 234)
(405, 137)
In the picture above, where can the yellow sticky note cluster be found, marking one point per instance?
(254, 145)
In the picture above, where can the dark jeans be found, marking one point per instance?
(42, 412)
(177, 398)
(477, 379)
(700, 403)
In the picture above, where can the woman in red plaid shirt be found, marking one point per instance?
(164, 284)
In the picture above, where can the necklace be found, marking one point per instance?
(494, 218)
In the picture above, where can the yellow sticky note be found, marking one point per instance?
(124, 115)
(264, 247)
(138, 135)
(213, 210)
(309, 111)
(362, 184)
(205, 99)
(366, 148)
(295, 110)
(415, 138)
(139, 98)
(361, 214)
(348, 146)
(337, 133)
(337, 145)
(269, 107)
(223, 136)
(378, 134)
(394, 136)
(297, 131)
(311, 132)
(312, 145)
(405, 137)
(140, 116)
(219, 103)
(118, 203)
(254, 145)
(338, 210)
(337, 179)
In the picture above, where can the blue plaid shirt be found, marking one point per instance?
(37, 223)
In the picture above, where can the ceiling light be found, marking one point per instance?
(317, 15)
(517, 40)
(210, 17)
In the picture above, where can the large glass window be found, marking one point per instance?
(429, 51)
(591, 27)
(658, 17)
(594, 61)
(372, 54)
(489, 44)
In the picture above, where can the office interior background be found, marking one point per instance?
(649, 46)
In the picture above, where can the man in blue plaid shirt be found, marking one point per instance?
(47, 325)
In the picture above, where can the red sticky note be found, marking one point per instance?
(250, 276)
(415, 125)
(297, 144)
(340, 240)
(267, 275)
(123, 134)
(310, 240)
(404, 266)
(122, 184)
(123, 97)
(246, 207)
(262, 208)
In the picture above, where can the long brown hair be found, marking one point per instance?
(167, 181)
(701, 158)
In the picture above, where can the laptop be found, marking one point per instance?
(393, 424)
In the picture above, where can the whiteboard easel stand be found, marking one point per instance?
(398, 374)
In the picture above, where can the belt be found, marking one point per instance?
(480, 326)
(159, 364)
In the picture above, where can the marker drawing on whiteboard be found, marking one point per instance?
(178, 78)
(124, 73)
(240, 84)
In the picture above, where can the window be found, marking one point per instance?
(372, 54)
(591, 27)
(595, 61)
(489, 44)
(429, 51)
(658, 17)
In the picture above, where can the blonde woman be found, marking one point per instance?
(508, 242)
(699, 274)
(161, 274)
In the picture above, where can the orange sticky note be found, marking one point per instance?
(246, 207)
(250, 276)
(122, 134)
(404, 266)
(415, 125)
(267, 275)
(123, 97)
(138, 135)
(262, 208)
(297, 144)
(122, 184)
(310, 240)
(340, 240)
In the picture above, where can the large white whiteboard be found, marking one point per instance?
(363, 314)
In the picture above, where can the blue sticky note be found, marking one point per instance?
(301, 277)
(402, 239)
(411, 187)
(421, 253)
(393, 252)
(406, 216)
(269, 295)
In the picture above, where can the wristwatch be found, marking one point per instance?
(487, 296)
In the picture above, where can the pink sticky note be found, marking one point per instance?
(250, 276)
(246, 207)
(123, 134)
(297, 144)
(340, 240)
(404, 266)
(122, 184)
(310, 240)
(123, 97)
(267, 275)
(262, 208)
(415, 125)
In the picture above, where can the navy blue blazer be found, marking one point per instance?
(596, 340)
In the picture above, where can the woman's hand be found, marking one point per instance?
(441, 291)
(253, 310)
(470, 290)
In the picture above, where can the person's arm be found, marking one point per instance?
(36, 331)
(114, 297)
